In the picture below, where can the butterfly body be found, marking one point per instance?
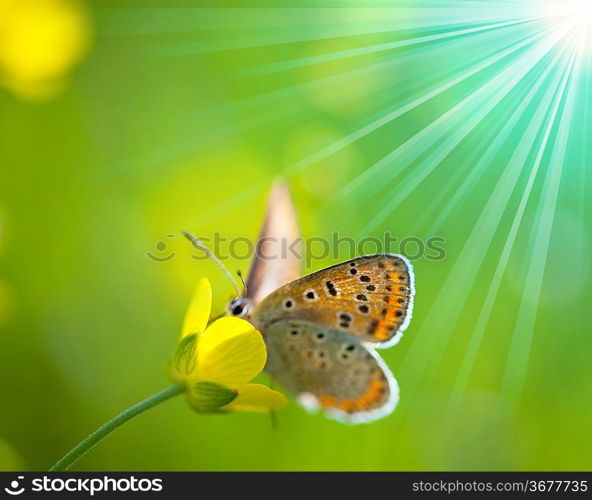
(321, 330)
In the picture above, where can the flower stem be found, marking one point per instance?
(108, 427)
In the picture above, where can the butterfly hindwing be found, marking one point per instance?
(369, 298)
(330, 370)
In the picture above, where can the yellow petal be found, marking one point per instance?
(230, 352)
(257, 397)
(198, 312)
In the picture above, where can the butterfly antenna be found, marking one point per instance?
(240, 275)
(196, 242)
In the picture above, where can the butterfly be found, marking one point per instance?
(322, 330)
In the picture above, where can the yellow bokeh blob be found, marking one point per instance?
(40, 42)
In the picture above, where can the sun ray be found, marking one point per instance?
(264, 26)
(475, 107)
(334, 147)
(517, 362)
(380, 47)
(422, 359)
(368, 173)
(221, 127)
(488, 303)
(401, 109)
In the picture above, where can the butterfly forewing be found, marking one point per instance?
(369, 298)
(277, 260)
(329, 369)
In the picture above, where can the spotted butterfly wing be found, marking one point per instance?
(330, 370)
(321, 331)
(369, 298)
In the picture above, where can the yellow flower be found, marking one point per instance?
(217, 362)
(40, 41)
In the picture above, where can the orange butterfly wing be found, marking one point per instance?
(369, 298)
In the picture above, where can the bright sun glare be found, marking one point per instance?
(575, 15)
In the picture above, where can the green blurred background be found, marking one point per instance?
(124, 121)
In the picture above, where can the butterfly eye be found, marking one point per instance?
(238, 307)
